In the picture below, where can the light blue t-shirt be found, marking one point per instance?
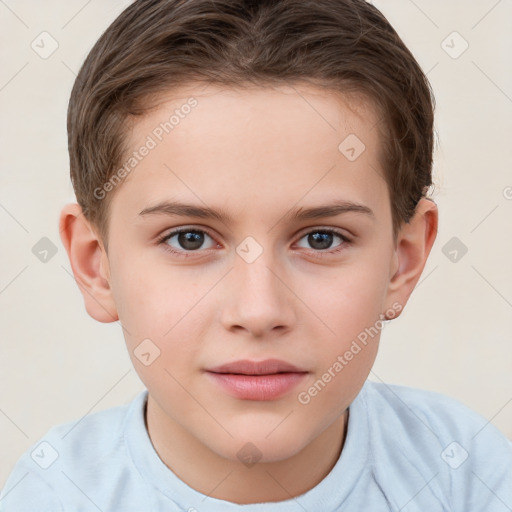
(406, 450)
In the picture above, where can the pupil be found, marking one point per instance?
(191, 240)
(320, 240)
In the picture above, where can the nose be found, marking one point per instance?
(258, 300)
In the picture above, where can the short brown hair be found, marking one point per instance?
(342, 45)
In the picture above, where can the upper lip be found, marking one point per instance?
(247, 367)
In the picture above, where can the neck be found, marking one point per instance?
(218, 477)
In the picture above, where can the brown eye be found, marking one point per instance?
(187, 240)
(320, 240)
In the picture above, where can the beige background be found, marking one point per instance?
(57, 364)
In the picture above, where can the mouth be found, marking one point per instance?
(257, 380)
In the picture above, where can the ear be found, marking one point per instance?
(413, 245)
(89, 262)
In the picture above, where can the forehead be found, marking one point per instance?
(280, 143)
(222, 108)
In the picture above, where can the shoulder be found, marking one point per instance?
(27, 491)
(461, 453)
(88, 439)
(438, 413)
(67, 458)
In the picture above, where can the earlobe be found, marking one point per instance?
(89, 263)
(414, 242)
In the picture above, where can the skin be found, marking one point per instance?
(257, 154)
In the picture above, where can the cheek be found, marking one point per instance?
(352, 309)
(352, 300)
(162, 315)
(340, 375)
(150, 300)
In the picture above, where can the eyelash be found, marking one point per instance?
(316, 253)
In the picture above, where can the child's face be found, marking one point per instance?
(256, 157)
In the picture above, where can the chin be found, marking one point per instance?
(255, 447)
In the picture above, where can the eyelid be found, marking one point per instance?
(343, 233)
(305, 231)
(170, 232)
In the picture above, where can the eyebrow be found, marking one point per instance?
(179, 209)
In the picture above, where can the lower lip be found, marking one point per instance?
(257, 387)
